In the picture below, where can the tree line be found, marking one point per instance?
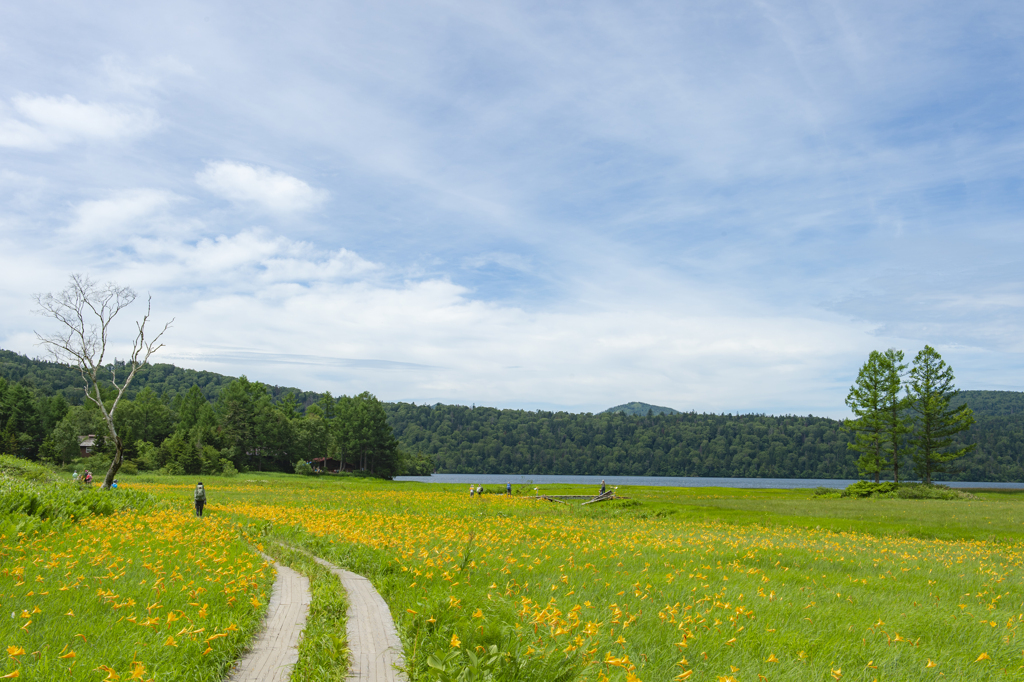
(463, 439)
(243, 429)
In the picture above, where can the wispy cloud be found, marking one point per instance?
(707, 206)
(44, 123)
(260, 186)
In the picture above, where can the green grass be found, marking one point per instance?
(769, 582)
(750, 575)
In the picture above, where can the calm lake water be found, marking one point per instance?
(670, 481)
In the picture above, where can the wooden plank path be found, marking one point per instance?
(374, 647)
(276, 649)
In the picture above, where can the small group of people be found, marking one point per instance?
(84, 478)
(479, 490)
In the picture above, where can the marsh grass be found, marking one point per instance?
(107, 584)
(721, 583)
(697, 584)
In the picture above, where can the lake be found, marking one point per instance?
(669, 481)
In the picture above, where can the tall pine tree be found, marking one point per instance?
(936, 424)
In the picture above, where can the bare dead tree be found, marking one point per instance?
(85, 311)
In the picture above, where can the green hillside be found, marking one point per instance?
(640, 409)
(630, 439)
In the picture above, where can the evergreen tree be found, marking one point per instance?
(882, 423)
(866, 401)
(936, 423)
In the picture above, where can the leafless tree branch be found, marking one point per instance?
(85, 310)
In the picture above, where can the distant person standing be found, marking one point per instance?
(508, 488)
(74, 476)
(602, 488)
(200, 499)
(479, 490)
(471, 491)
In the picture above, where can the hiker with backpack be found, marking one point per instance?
(200, 498)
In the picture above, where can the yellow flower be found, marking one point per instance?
(111, 674)
(682, 676)
(771, 659)
(931, 663)
(70, 654)
(9, 676)
(456, 642)
(13, 651)
(982, 657)
(170, 641)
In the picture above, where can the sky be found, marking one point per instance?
(719, 207)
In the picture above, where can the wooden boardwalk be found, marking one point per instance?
(276, 649)
(374, 647)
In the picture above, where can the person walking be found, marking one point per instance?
(508, 488)
(200, 499)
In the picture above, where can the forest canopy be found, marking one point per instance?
(187, 420)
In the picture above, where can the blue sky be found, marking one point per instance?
(711, 206)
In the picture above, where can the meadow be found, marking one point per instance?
(672, 584)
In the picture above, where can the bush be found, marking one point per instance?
(920, 491)
(228, 470)
(829, 493)
(903, 491)
(128, 468)
(869, 489)
(303, 467)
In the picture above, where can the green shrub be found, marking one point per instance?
(302, 467)
(869, 489)
(828, 493)
(228, 469)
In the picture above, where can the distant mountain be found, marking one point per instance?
(640, 409)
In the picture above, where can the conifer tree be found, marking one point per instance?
(865, 400)
(930, 393)
(882, 423)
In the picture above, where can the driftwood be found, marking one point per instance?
(564, 499)
(607, 495)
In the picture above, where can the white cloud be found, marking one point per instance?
(242, 183)
(243, 262)
(44, 123)
(132, 211)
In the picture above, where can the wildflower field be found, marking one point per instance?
(669, 585)
(122, 594)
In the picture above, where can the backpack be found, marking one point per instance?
(200, 493)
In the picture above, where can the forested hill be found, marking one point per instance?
(488, 440)
(165, 380)
(641, 409)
